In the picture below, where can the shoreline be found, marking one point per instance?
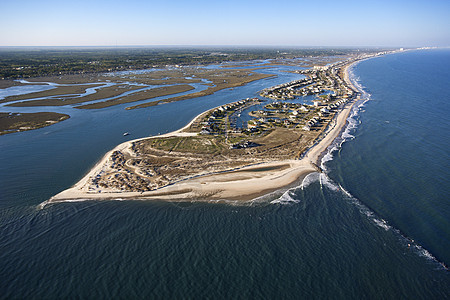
(242, 184)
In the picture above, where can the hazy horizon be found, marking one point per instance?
(210, 47)
(200, 23)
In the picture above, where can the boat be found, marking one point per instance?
(126, 133)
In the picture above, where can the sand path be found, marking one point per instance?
(244, 184)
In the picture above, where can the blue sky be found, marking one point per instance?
(199, 22)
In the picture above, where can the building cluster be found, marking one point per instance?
(318, 80)
(285, 114)
(324, 112)
(287, 90)
(217, 121)
(129, 172)
(278, 114)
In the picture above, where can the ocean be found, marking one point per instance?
(374, 225)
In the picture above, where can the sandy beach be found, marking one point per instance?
(243, 184)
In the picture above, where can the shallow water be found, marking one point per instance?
(343, 234)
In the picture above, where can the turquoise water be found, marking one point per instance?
(343, 234)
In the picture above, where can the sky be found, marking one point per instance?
(371, 23)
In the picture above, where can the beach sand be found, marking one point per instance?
(243, 184)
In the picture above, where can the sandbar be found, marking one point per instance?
(242, 184)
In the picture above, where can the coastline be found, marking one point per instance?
(242, 184)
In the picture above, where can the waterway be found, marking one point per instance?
(374, 225)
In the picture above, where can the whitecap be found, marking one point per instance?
(347, 136)
(310, 178)
(327, 182)
(381, 223)
(427, 255)
(328, 156)
(347, 193)
(286, 198)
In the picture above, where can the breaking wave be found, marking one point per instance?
(310, 178)
(326, 182)
(286, 198)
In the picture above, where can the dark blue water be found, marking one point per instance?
(343, 234)
(399, 162)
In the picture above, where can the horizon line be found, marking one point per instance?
(213, 45)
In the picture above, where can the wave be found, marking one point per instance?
(286, 198)
(310, 178)
(380, 222)
(327, 182)
(48, 202)
(352, 123)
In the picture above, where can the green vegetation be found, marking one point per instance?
(15, 122)
(61, 91)
(198, 145)
(23, 62)
(220, 81)
(138, 96)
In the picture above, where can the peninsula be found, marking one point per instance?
(213, 159)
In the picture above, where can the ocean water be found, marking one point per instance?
(374, 225)
(400, 156)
